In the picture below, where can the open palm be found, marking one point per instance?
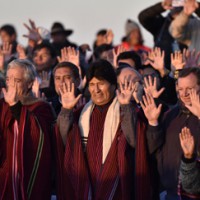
(68, 98)
(187, 142)
(151, 111)
(125, 93)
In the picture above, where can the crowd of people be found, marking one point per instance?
(123, 123)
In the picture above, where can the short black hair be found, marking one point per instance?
(100, 49)
(131, 55)
(69, 65)
(102, 32)
(47, 45)
(9, 29)
(102, 70)
(191, 70)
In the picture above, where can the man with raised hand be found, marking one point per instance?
(25, 133)
(95, 160)
(163, 137)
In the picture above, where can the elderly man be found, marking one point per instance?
(25, 132)
(164, 139)
(98, 160)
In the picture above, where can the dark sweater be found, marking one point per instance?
(163, 140)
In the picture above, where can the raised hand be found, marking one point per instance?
(156, 60)
(190, 6)
(195, 103)
(177, 61)
(36, 88)
(150, 87)
(116, 53)
(10, 95)
(109, 36)
(33, 32)
(187, 142)
(167, 4)
(6, 51)
(45, 79)
(67, 92)
(69, 54)
(191, 58)
(151, 111)
(126, 91)
(64, 56)
(21, 52)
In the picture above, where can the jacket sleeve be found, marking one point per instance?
(155, 138)
(128, 123)
(151, 18)
(190, 175)
(64, 122)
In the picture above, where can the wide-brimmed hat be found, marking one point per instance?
(58, 28)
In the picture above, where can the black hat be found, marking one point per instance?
(59, 28)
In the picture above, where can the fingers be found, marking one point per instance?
(45, 76)
(32, 23)
(194, 96)
(185, 134)
(148, 100)
(6, 48)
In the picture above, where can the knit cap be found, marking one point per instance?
(130, 26)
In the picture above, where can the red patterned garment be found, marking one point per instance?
(25, 152)
(81, 175)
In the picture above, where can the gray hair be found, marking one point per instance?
(27, 66)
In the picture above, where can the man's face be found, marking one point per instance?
(63, 75)
(16, 76)
(185, 85)
(58, 38)
(43, 60)
(5, 37)
(135, 37)
(100, 39)
(101, 91)
(130, 75)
